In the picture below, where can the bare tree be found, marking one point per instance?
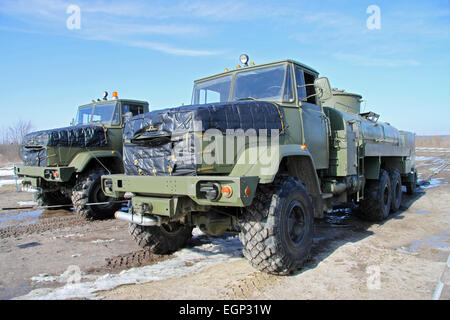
(3, 135)
(17, 131)
(10, 140)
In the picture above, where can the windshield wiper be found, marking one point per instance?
(248, 98)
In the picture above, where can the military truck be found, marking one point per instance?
(262, 151)
(65, 165)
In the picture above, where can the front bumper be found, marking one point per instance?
(167, 195)
(34, 175)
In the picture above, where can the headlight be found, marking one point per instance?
(244, 59)
(209, 190)
(108, 184)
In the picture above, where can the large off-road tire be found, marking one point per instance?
(377, 198)
(277, 228)
(88, 190)
(55, 198)
(412, 185)
(396, 189)
(161, 240)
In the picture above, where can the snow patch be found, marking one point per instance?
(219, 250)
(27, 203)
(6, 172)
(102, 241)
(8, 182)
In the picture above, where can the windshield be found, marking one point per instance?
(107, 113)
(210, 91)
(265, 83)
(270, 83)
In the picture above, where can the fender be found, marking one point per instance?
(265, 162)
(82, 159)
(298, 161)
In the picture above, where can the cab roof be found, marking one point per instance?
(303, 66)
(115, 100)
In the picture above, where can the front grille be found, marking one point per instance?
(36, 157)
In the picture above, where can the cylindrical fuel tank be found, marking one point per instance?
(379, 132)
(348, 107)
(345, 101)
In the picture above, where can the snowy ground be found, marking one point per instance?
(55, 255)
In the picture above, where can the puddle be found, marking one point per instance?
(338, 216)
(432, 183)
(19, 218)
(440, 242)
(28, 245)
(421, 212)
(16, 219)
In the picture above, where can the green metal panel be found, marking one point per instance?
(159, 206)
(63, 173)
(170, 186)
(82, 159)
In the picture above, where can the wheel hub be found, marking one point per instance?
(296, 224)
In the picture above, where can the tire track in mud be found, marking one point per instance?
(44, 224)
(255, 283)
(129, 260)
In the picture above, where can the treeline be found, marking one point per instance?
(11, 139)
(433, 141)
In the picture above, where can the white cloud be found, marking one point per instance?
(104, 21)
(371, 61)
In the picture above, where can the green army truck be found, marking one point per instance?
(262, 150)
(65, 165)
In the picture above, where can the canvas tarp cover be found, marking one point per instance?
(151, 138)
(85, 136)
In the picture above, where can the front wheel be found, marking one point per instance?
(164, 239)
(55, 199)
(277, 228)
(88, 191)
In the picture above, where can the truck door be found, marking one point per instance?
(315, 123)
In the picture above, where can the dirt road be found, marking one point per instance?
(56, 255)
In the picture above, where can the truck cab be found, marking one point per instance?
(58, 161)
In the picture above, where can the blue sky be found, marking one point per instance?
(154, 50)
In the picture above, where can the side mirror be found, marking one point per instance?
(127, 116)
(323, 88)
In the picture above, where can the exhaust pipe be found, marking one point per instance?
(138, 219)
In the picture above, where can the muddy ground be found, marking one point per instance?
(56, 255)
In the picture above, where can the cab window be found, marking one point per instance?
(305, 86)
(135, 109)
(310, 89)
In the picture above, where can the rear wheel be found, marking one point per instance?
(54, 198)
(277, 228)
(396, 189)
(411, 185)
(377, 198)
(87, 191)
(161, 240)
